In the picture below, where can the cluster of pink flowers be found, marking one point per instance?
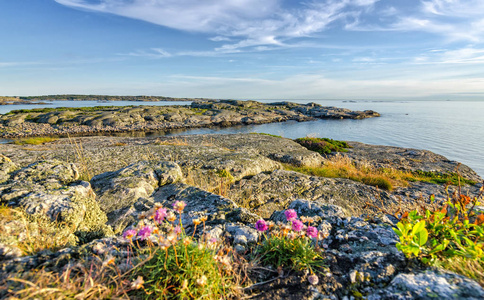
(296, 225)
(158, 214)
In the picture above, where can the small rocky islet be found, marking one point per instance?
(208, 113)
(102, 185)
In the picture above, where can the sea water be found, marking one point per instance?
(454, 129)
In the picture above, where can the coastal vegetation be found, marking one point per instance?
(449, 235)
(136, 221)
(34, 140)
(341, 166)
(323, 145)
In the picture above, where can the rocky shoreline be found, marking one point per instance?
(86, 121)
(131, 175)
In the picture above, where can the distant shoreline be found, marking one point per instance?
(224, 113)
(6, 100)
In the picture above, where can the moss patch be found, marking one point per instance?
(323, 145)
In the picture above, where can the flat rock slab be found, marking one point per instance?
(407, 159)
(267, 192)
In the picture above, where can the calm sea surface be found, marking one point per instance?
(454, 129)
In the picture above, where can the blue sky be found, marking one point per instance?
(270, 49)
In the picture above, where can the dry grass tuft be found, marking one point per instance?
(33, 233)
(470, 268)
(86, 280)
(82, 161)
(342, 167)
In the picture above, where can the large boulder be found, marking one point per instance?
(49, 193)
(118, 191)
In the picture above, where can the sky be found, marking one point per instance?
(244, 49)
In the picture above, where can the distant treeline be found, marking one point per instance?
(104, 98)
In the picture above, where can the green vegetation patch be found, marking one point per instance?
(449, 236)
(439, 178)
(267, 134)
(186, 270)
(34, 141)
(323, 145)
(330, 171)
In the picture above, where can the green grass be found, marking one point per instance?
(440, 178)
(267, 134)
(383, 178)
(185, 270)
(34, 141)
(323, 145)
(342, 167)
(297, 254)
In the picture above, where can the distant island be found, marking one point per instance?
(5, 100)
(72, 97)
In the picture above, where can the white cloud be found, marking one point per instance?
(152, 53)
(250, 22)
(467, 55)
(458, 20)
(220, 39)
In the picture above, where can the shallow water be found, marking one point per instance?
(454, 129)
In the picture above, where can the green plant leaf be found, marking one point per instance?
(418, 227)
(422, 237)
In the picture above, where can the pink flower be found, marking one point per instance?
(160, 215)
(261, 225)
(297, 225)
(290, 214)
(179, 206)
(129, 234)
(312, 232)
(144, 232)
(177, 229)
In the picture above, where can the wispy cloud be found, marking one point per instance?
(467, 55)
(243, 23)
(152, 53)
(457, 20)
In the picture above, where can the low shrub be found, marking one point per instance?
(323, 145)
(449, 236)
